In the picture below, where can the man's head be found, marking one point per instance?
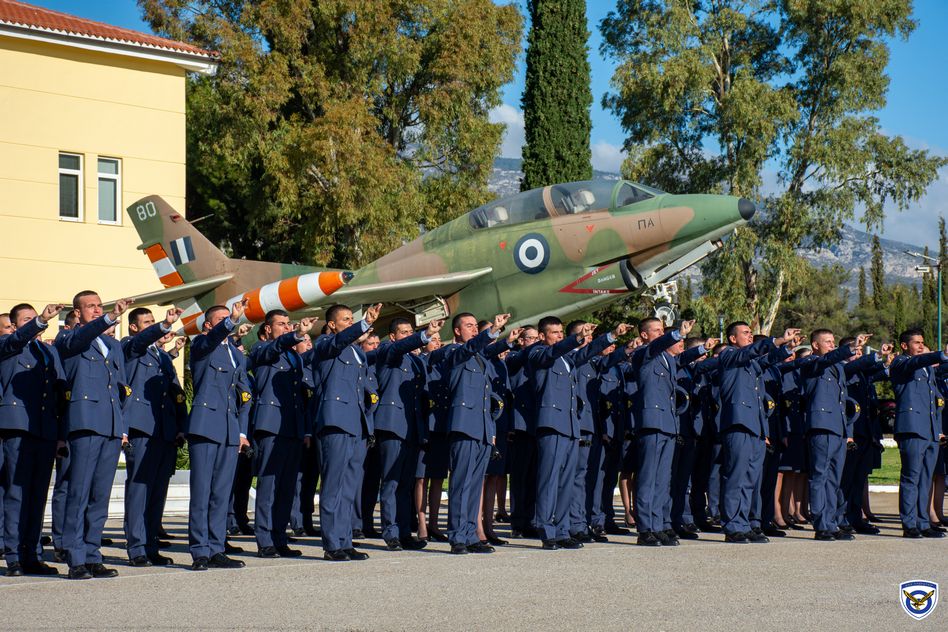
(551, 330)
(214, 315)
(87, 305)
(823, 341)
(739, 334)
(400, 328)
(434, 342)
(464, 326)
(912, 342)
(276, 323)
(574, 327)
(718, 348)
(371, 342)
(19, 315)
(140, 319)
(802, 352)
(70, 321)
(651, 329)
(304, 345)
(528, 336)
(338, 318)
(848, 342)
(7, 325)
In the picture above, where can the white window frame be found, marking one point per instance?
(115, 177)
(81, 187)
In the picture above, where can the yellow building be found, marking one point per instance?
(92, 118)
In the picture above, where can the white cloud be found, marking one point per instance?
(512, 145)
(607, 157)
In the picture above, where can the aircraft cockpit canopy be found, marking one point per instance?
(572, 198)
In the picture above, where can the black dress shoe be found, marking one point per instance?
(413, 544)
(937, 527)
(101, 571)
(139, 560)
(59, 556)
(756, 536)
(503, 518)
(480, 547)
(246, 529)
(164, 534)
(14, 569)
(335, 556)
(160, 560)
(313, 533)
(79, 572)
(913, 533)
(39, 568)
(569, 543)
(285, 551)
(774, 532)
(493, 539)
(164, 544)
(843, 536)
(46, 540)
(268, 552)
(581, 537)
(357, 556)
(230, 548)
(667, 537)
(685, 534)
(550, 545)
(200, 564)
(233, 531)
(300, 532)
(845, 528)
(459, 549)
(598, 534)
(613, 529)
(437, 536)
(736, 538)
(393, 544)
(824, 536)
(219, 560)
(106, 542)
(867, 529)
(357, 534)
(370, 533)
(647, 538)
(932, 533)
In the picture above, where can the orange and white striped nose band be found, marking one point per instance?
(165, 270)
(291, 294)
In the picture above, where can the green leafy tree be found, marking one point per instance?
(863, 296)
(819, 300)
(877, 274)
(711, 91)
(333, 130)
(557, 96)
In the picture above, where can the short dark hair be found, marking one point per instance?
(334, 310)
(574, 326)
(731, 329)
(819, 332)
(82, 294)
(718, 348)
(456, 321)
(803, 352)
(759, 337)
(396, 323)
(16, 309)
(647, 321)
(548, 321)
(273, 313)
(481, 324)
(848, 340)
(137, 313)
(692, 342)
(70, 319)
(212, 309)
(908, 334)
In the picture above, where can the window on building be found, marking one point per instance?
(110, 190)
(70, 187)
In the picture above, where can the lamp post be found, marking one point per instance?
(935, 263)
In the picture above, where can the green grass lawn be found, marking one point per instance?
(888, 474)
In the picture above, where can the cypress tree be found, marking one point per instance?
(557, 95)
(877, 273)
(863, 293)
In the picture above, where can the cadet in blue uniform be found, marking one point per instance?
(744, 428)
(421, 482)
(554, 380)
(61, 484)
(342, 425)
(522, 443)
(32, 383)
(156, 414)
(370, 476)
(918, 430)
(301, 518)
(470, 425)
(824, 377)
(217, 430)
(400, 427)
(279, 426)
(95, 429)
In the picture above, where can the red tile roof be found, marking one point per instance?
(20, 14)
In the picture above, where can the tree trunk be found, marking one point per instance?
(768, 323)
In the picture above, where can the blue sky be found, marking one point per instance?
(916, 109)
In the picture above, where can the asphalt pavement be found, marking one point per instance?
(793, 583)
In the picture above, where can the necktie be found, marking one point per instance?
(230, 354)
(104, 348)
(358, 355)
(566, 362)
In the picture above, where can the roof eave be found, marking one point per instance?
(204, 64)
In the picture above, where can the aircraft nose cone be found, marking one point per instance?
(746, 208)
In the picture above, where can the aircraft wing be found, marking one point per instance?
(408, 290)
(173, 294)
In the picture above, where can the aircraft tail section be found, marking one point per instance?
(179, 253)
